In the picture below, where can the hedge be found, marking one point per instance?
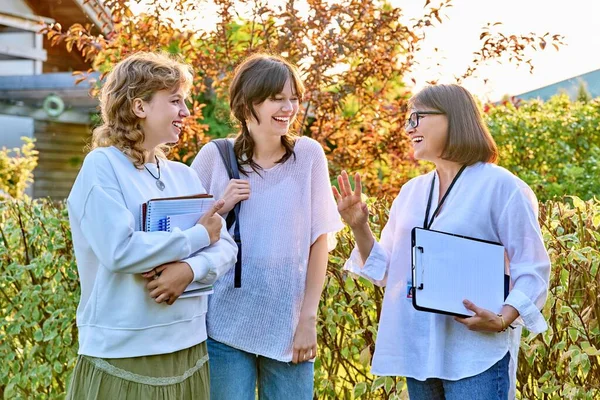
(39, 294)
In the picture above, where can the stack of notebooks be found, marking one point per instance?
(169, 213)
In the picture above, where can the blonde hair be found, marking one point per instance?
(139, 76)
(469, 140)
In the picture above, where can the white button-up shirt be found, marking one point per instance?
(489, 203)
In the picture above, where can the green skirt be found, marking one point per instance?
(180, 375)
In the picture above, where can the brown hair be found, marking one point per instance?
(259, 77)
(139, 76)
(469, 140)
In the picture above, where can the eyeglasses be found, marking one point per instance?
(413, 120)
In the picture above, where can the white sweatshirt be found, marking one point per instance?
(116, 316)
(487, 202)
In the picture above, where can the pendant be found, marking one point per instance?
(160, 185)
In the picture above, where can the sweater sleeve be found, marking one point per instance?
(325, 217)
(214, 261)
(204, 164)
(520, 234)
(108, 226)
(375, 269)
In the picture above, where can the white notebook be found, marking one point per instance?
(164, 214)
(155, 210)
(197, 289)
(448, 269)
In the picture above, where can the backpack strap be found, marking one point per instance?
(230, 161)
(223, 146)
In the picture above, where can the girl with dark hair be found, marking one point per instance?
(264, 333)
(446, 357)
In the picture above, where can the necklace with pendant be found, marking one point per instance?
(159, 184)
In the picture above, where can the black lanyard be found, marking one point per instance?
(425, 224)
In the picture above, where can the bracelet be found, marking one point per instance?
(503, 323)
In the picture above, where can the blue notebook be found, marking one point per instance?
(181, 221)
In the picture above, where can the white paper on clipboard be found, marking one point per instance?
(448, 269)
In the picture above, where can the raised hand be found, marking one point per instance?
(236, 191)
(212, 221)
(349, 202)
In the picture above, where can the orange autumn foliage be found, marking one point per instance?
(354, 57)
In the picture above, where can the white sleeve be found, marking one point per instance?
(109, 228)
(375, 269)
(325, 217)
(520, 234)
(203, 165)
(214, 261)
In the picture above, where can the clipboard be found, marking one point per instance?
(448, 268)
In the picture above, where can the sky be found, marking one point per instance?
(458, 37)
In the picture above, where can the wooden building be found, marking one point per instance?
(38, 95)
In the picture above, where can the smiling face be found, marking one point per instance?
(161, 117)
(430, 136)
(275, 114)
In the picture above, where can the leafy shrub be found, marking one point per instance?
(16, 169)
(348, 318)
(554, 146)
(564, 361)
(39, 292)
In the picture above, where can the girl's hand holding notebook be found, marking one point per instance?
(170, 281)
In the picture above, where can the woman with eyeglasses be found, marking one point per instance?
(445, 357)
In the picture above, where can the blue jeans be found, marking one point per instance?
(491, 384)
(234, 375)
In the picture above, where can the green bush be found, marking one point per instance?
(348, 317)
(39, 293)
(564, 361)
(554, 146)
(16, 169)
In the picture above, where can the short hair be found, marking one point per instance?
(138, 76)
(256, 79)
(469, 141)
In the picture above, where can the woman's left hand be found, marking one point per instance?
(169, 281)
(305, 340)
(483, 320)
